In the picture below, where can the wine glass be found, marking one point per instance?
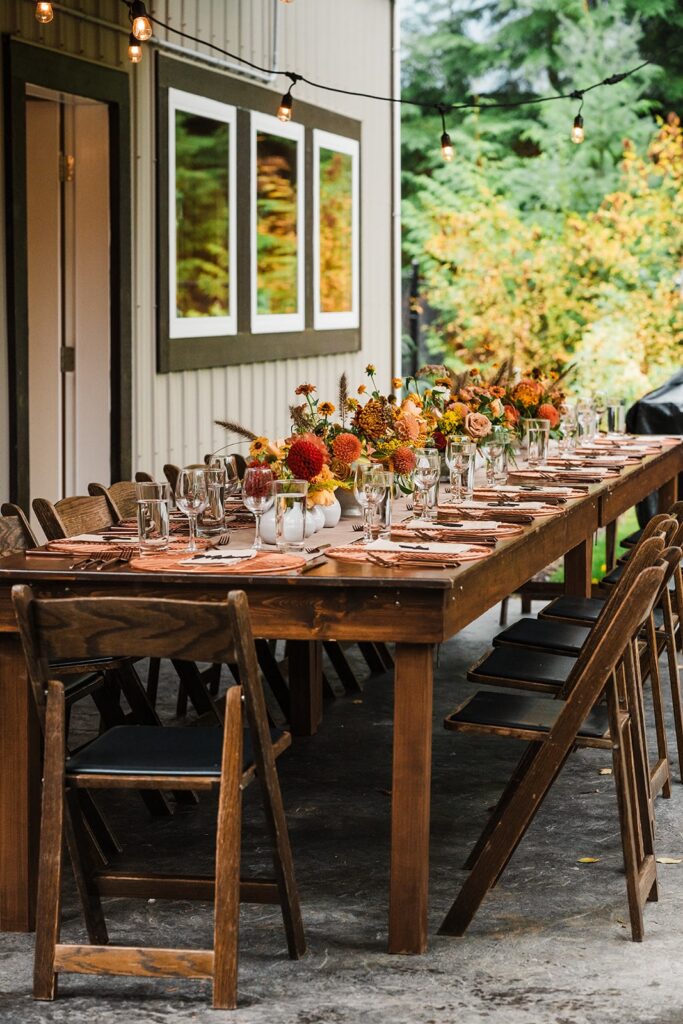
(425, 475)
(257, 494)
(232, 477)
(192, 497)
(369, 486)
(460, 452)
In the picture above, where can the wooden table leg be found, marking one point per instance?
(305, 662)
(578, 569)
(19, 790)
(666, 495)
(412, 771)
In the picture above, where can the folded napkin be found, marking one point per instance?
(430, 554)
(260, 563)
(220, 554)
(530, 492)
(503, 510)
(557, 474)
(481, 531)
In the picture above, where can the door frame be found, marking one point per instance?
(26, 64)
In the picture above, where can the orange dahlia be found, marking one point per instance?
(548, 412)
(346, 448)
(527, 392)
(404, 460)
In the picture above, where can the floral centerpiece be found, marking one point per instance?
(463, 404)
(536, 396)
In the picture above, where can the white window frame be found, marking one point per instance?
(272, 323)
(201, 326)
(350, 147)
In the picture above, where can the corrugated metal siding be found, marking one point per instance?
(347, 44)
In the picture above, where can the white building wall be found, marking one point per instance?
(346, 44)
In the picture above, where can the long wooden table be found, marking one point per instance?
(411, 607)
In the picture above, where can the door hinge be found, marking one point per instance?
(67, 167)
(67, 359)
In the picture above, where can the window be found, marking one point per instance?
(201, 217)
(277, 225)
(335, 231)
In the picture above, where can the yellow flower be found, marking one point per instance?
(326, 408)
(370, 369)
(362, 389)
(352, 404)
(397, 382)
(258, 446)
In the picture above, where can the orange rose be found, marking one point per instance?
(477, 425)
(548, 412)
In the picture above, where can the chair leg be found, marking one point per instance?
(228, 842)
(271, 670)
(611, 544)
(99, 830)
(83, 869)
(347, 676)
(48, 911)
(674, 674)
(504, 605)
(658, 707)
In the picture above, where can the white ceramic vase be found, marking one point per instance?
(332, 513)
(315, 519)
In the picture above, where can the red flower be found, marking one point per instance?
(439, 440)
(305, 459)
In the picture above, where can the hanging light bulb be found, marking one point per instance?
(142, 26)
(44, 13)
(577, 133)
(284, 111)
(134, 49)
(447, 151)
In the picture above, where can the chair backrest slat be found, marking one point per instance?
(71, 516)
(15, 531)
(121, 498)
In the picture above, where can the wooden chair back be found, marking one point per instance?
(240, 462)
(644, 554)
(121, 498)
(101, 627)
(15, 530)
(171, 473)
(70, 516)
(143, 478)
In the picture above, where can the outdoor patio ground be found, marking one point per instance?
(551, 945)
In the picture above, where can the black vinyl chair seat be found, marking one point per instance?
(614, 576)
(523, 665)
(578, 609)
(560, 637)
(523, 712)
(152, 750)
(632, 539)
(66, 665)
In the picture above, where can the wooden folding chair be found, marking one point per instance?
(609, 667)
(137, 756)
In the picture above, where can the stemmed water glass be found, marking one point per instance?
(460, 452)
(192, 497)
(369, 487)
(425, 475)
(257, 494)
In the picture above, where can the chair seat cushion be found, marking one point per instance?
(561, 637)
(579, 609)
(615, 575)
(65, 666)
(156, 750)
(520, 664)
(632, 539)
(522, 711)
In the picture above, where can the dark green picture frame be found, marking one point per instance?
(244, 347)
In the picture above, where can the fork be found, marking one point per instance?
(320, 547)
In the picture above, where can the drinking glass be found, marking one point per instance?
(568, 429)
(210, 521)
(192, 497)
(425, 476)
(616, 418)
(290, 514)
(460, 458)
(535, 437)
(152, 516)
(257, 493)
(495, 460)
(587, 419)
(232, 477)
(369, 488)
(382, 513)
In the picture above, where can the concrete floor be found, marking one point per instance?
(551, 945)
